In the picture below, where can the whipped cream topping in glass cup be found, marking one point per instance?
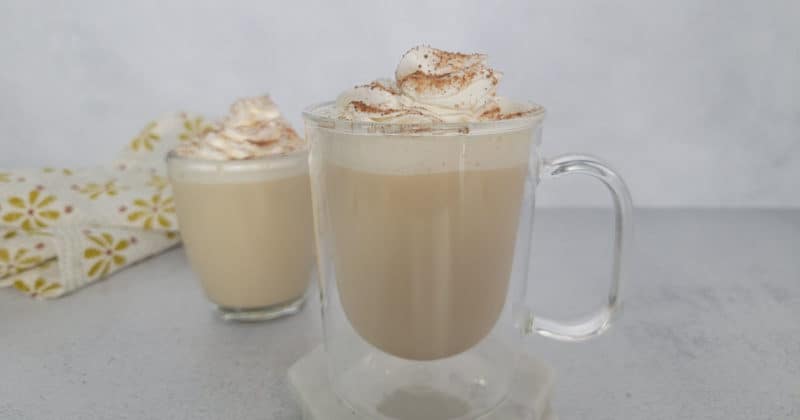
(432, 85)
(253, 128)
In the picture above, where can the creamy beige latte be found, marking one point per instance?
(248, 234)
(424, 243)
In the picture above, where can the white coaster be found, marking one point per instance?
(529, 400)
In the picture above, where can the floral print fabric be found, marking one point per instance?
(62, 229)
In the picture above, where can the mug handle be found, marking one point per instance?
(599, 321)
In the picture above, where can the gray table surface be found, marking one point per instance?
(711, 330)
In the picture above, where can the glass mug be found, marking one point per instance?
(246, 226)
(424, 236)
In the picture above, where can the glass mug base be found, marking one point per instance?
(261, 314)
(465, 386)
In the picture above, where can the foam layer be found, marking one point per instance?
(198, 171)
(419, 155)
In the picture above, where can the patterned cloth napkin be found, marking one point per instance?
(61, 229)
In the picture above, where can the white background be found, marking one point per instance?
(695, 102)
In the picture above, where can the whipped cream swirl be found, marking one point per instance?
(431, 85)
(253, 128)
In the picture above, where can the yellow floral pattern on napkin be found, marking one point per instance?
(32, 213)
(147, 138)
(20, 260)
(194, 127)
(64, 228)
(109, 188)
(105, 253)
(158, 211)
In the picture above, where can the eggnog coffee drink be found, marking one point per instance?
(423, 224)
(244, 208)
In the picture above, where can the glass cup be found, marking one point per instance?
(424, 236)
(247, 228)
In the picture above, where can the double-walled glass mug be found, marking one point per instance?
(423, 235)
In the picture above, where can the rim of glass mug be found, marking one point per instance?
(315, 115)
(276, 161)
(262, 167)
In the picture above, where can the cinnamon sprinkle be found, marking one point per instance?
(491, 114)
(514, 115)
(425, 82)
(422, 82)
(262, 143)
(361, 106)
(447, 58)
(380, 86)
(288, 132)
